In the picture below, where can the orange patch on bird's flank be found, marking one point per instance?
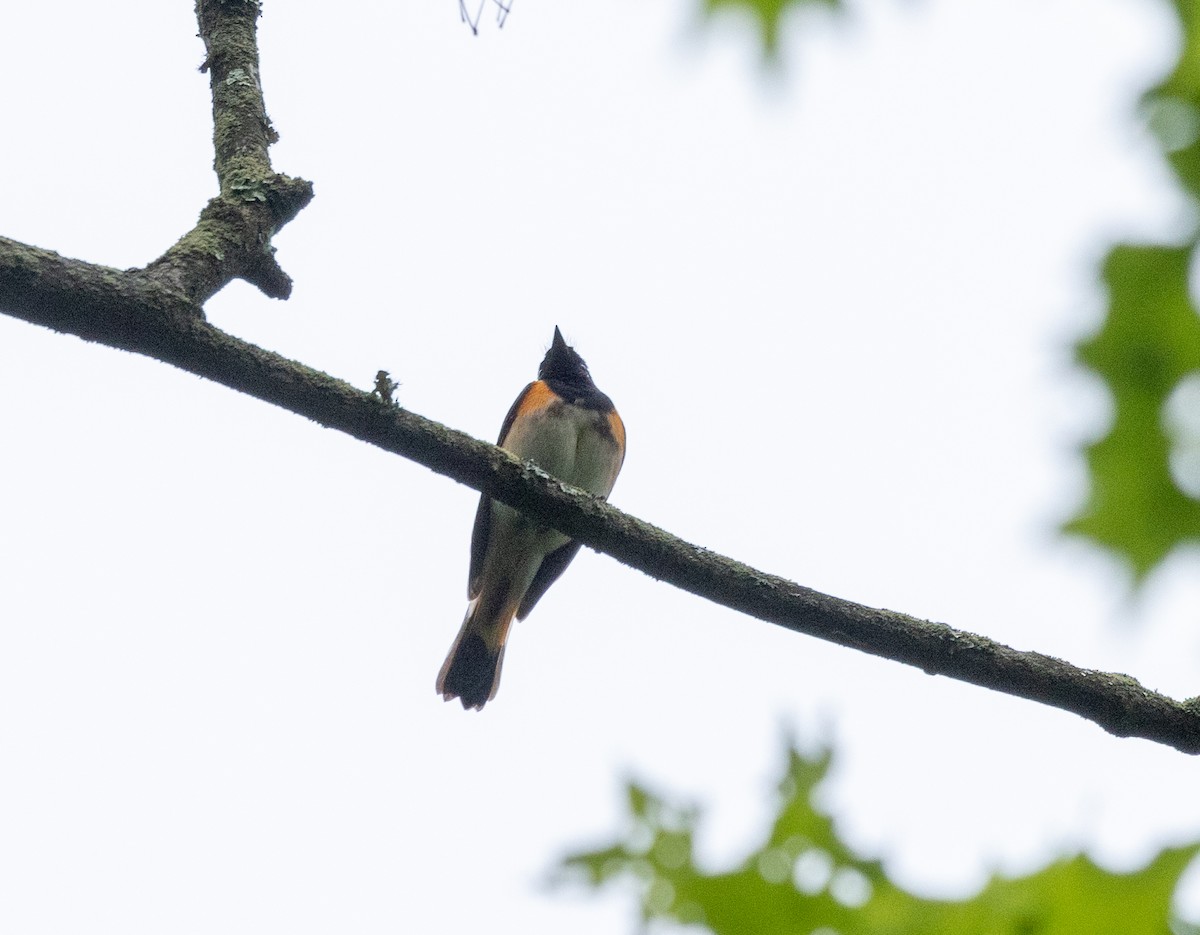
(617, 427)
(538, 397)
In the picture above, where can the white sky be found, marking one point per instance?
(834, 307)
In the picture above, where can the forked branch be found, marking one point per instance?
(157, 312)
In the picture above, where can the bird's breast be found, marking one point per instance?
(573, 443)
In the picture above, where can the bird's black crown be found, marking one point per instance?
(563, 365)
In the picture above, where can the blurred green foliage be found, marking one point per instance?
(804, 879)
(1149, 342)
(1139, 506)
(1142, 498)
(768, 14)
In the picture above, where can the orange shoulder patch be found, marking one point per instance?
(617, 427)
(538, 396)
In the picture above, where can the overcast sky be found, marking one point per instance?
(834, 306)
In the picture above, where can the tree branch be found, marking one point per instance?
(132, 312)
(157, 311)
(233, 237)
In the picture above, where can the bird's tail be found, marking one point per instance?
(471, 672)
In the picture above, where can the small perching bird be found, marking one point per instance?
(567, 427)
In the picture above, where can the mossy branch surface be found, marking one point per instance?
(232, 239)
(134, 312)
(158, 312)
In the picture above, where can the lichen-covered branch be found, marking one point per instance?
(132, 312)
(242, 131)
(158, 312)
(114, 307)
(232, 239)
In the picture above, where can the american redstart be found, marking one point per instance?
(567, 427)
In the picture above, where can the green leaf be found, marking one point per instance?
(803, 878)
(769, 14)
(1179, 92)
(639, 800)
(1148, 343)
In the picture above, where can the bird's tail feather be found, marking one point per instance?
(471, 672)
